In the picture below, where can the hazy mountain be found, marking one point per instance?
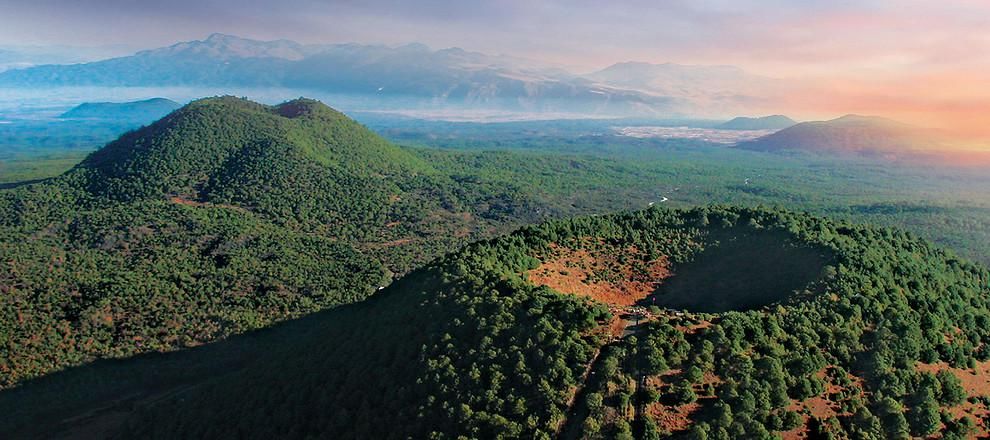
(147, 110)
(701, 90)
(414, 76)
(774, 122)
(218, 60)
(19, 57)
(228, 47)
(865, 135)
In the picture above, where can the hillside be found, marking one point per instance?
(561, 330)
(850, 134)
(144, 111)
(774, 122)
(203, 150)
(224, 216)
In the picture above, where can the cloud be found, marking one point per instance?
(768, 34)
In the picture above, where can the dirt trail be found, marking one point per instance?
(570, 427)
(618, 329)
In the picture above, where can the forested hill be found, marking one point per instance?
(209, 147)
(224, 216)
(861, 332)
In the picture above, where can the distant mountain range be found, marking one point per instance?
(19, 57)
(146, 111)
(414, 76)
(850, 134)
(703, 90)
(774, 122)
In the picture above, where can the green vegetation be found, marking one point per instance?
(837, 343)
(229, 216)
(575, 167)
(30, 140)
(468, 347)
(462, 347)
(22, 170)
(157, 276)
(949, 206)
(223, 217)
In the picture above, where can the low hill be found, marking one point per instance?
(774, 122)
(850, 134)
(583, 329)
(222, 217)
(232, 150)
(141, 111)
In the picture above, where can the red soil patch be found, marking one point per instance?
(694, 328)
(597, 272)
(187, 202)
(674, 418)
(820, 406)
(976, 382)
(617, 326)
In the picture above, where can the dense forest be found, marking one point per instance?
(223, 217)
(579, 167)
(470, 346)
(715, 322)
(948, 205)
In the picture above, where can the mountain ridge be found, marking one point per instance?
(410, 76)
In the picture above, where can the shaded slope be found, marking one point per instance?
(468, 347)
(154, 276)
(452, 349)
(223, 217)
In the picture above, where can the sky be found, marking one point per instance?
(922, 61)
